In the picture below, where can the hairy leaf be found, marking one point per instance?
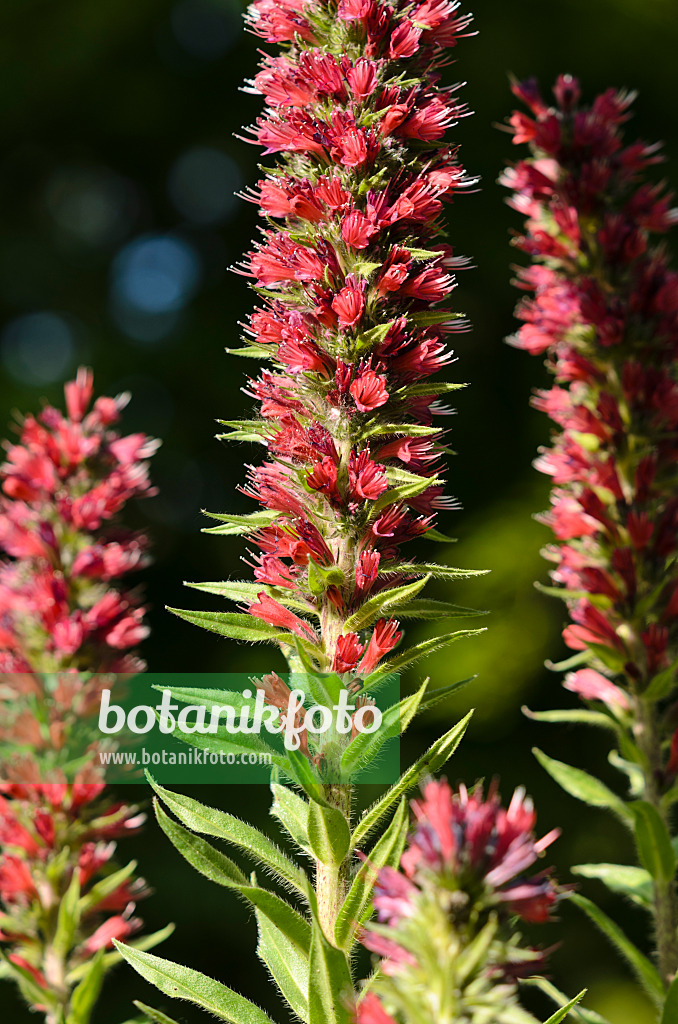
(583, 786)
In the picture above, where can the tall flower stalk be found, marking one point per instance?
(354, 279)
(64, 619)
(602, 305)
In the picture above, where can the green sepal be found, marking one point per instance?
(183, 983)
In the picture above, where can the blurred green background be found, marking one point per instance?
(117, 172)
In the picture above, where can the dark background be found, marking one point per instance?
(117, 170)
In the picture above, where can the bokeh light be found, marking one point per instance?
(92, 206)
(202, 183)
(153, 279)
(205, 30)
(38, 348)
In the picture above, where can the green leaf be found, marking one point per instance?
(155, 1016)
(235, 626)
(645, 971)
(578, 715)
(654, 842)
(441, 387)
(209, 821)
(241, 590)
(330, 983)
(250, 352)
(443, 692)
(383, 603)
(561, 1014)
(417, 652)
(426, 608)
(583, 786)
(387, 851)
(291, 810)
(398, 429)
(289, 968)
(183, 983)
(328, 833)
(87, 992)
(364, 748)
(626, 879)
(219, 868)
(440, 572)
(670, 1012)
(110, 959)
(661, 685)
(429, 763)
(395, 495)
(235, 525)
(581, 1014)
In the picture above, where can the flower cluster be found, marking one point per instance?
(604, 309)
(354, 278)
(64, 622)
(63, 483)
(448, 950)
(61, 897)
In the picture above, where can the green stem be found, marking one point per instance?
(665, 905)
(331, 880)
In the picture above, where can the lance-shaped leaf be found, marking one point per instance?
(654, 842)
(431, 761)
(235, 626)
(417, 652)
(583, 786)
(240, 590)
(291, 810)
(330, 985)
(209, 821)
(219, 868)
(580, 1014)
(236, 525)
(387, 851)
(644, 970)
(364, 748)
(580, 716)
(439, 572)
(111, 959)
(564, 1011)
(626, 879)
(405, 493)
(383, 603)
(434, 697)
(183, 983)
(68, 918)
(86, 993)
(288, 966)
(155, 1016)
(428, 608)
(328, 833)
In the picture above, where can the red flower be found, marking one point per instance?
(369, 391)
